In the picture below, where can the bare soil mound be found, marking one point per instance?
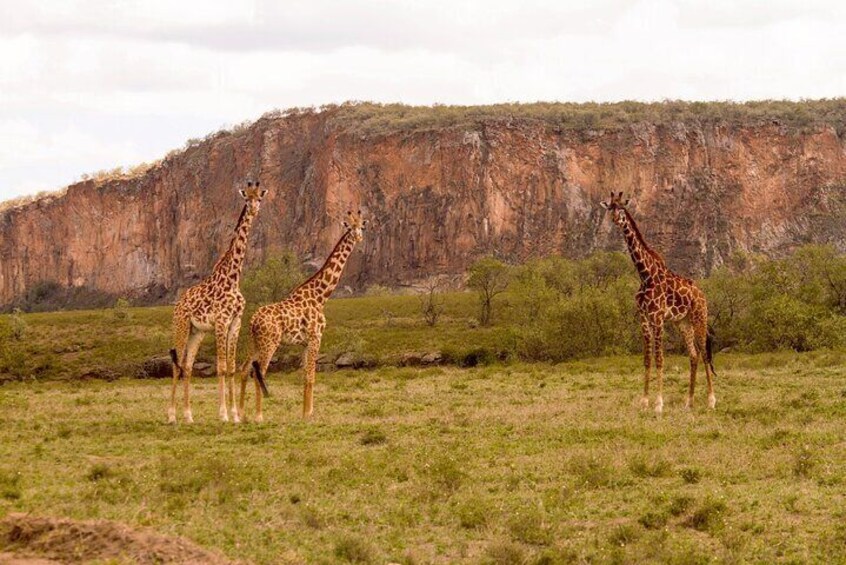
(32, 540)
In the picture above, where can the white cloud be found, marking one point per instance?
(86, 85)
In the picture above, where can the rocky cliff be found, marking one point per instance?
(441, 191)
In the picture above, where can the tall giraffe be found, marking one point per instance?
(298, 320)
(215, 304)
(664, 295)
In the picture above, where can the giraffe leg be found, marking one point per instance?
(658, 352)
(646, 330)
(231, 348)
(181, 331)
(191, 348)
(310, 367)
(221, 335)
(693, 353)
(245, 374)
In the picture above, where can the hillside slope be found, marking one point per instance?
(444, 185)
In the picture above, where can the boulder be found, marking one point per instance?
(432, 358)
(410, 359)
(159, 367)
(203, 369)
(346, 360)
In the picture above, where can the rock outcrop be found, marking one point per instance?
(438, 197)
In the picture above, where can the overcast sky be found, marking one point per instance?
(88, 85)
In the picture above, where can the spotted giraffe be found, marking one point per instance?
(215, 304)
(298, 320)
(665, 296)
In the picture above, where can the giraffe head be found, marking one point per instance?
(355, 225)
(253, 195)
(617, 206)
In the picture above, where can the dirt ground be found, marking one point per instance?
(30, 540)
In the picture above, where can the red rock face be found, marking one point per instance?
(437, 199)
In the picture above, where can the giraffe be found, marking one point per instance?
(215, 304)
(665, 296)
(298, 320)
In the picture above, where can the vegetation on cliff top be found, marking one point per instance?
(371, 118)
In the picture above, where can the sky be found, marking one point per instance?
(91, 85)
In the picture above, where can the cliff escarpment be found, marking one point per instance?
(443, 186)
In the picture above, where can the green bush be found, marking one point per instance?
(489, 277)
(561, 309)
(272, 280)
(567, 309)
(17, 325)
(121, 310)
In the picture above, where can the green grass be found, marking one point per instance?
(513, 464)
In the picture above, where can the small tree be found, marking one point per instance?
(431, 301)
(272, 280)
(489, 278)
(121, 309)
(17, 325)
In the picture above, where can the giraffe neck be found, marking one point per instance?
(324, 281)
(647, 262)
(228, 268)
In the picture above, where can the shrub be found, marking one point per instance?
(121, 309)
(431, 302)
(17, 325)
(489, 278)
(272, 280)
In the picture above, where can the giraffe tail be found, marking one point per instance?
(709, 350)
(175, 358)
(260, 379)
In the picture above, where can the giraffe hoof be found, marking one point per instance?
(644, 403)
(236, 418)
(259, 419)
(688, 403)
(712, 401)
(659, 405)
(189, 418)
(171, 416)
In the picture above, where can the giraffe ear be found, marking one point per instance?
(346, 225)
(263, 192)
(626, 203)
(243, 193)
(605, 205)
(364, 224)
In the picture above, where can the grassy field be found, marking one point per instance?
(498, 464)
